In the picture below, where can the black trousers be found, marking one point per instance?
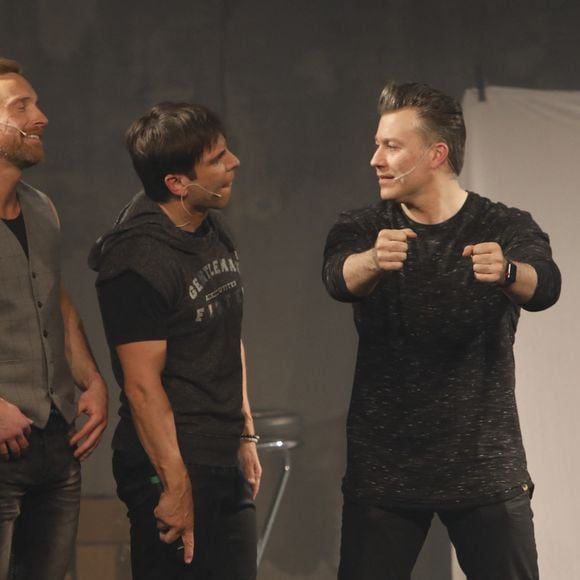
(224, 523)
(493, 542)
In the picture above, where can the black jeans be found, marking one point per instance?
(39, 506)
(493, 542)
(224, 526)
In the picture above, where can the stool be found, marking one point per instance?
(279, 431)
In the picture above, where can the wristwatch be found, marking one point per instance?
(510, 273)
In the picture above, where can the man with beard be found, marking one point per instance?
(44, 356)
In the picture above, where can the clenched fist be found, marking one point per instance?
(391, 247)
(489, 263)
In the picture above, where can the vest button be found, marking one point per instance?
(39, 304)
(33, 274)
(44, 333)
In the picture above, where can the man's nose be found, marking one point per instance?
(234, 161)
(377, 159)
(40, 118)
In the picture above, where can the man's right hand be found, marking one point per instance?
(391, 247)
(174, 515)
(363, 271)
(15, 429)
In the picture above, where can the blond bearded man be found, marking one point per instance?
(44, 357)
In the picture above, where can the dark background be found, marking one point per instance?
(296, 82)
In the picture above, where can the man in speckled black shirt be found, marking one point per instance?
(437, 277)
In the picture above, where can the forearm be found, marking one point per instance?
(524, 288)
(248, 454)
(155, 425)
(246, 409)
(547, 291)
(143, 364)
(355, 261)
(94, 400)
(153, 419)
(361, 273)
(78, 353)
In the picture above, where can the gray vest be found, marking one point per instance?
(33, 368)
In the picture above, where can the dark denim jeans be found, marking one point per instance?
(39, 506)
(224, 527)
(493, 542)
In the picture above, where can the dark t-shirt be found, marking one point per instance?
(18, 228)
(157, 282)
(132, 310)
(433, 418)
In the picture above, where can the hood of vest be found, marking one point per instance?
(143, 218)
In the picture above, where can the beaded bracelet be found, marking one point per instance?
(247, 437)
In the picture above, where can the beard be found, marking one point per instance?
(22, 156)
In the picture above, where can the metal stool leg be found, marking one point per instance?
(284, 446)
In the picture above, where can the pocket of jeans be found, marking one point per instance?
(246, 493)
(134, 480)
(519, 506)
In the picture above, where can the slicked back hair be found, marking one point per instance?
(7, 66)
(440, 115)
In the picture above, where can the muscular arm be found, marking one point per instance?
(93, 401)
(248, 453)
(142, 364)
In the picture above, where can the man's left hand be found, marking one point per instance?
(93, 403)
(489, 263)
(250, 464)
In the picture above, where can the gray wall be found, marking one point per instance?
(297, 82)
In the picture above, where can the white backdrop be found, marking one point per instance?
(523, 148)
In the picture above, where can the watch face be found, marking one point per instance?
(510, 273)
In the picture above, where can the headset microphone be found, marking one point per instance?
(23, 133)
(399, 177)
(206, 190)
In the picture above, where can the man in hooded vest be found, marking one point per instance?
(171, 299)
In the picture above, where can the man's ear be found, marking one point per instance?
(175, 183)
(440, 154)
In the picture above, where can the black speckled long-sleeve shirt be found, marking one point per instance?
(433, 418)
